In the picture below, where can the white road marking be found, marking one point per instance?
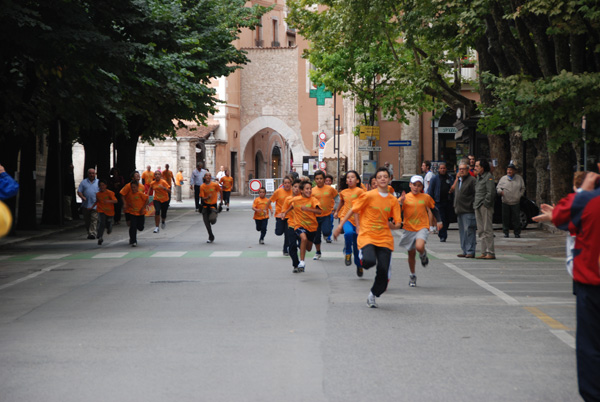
(226, 254)
(274, 254)
(43, 271)
(51, 256)
(110, 255)
(169, 254)
(5, 257)
(564, 336)
(506, 298)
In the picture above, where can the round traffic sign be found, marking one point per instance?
(322, 136)
(255, 185)
(322, 165)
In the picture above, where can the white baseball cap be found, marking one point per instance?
(416, 178)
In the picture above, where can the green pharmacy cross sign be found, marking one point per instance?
(320, 93)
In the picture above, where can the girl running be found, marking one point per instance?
(374, 210)
(415, 207)
(351, 190)
(326, 196)
(306, 208)
(261, 207)
(209, 192)
(161, 190)
(291, 226)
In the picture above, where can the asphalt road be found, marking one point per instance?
(177, 319)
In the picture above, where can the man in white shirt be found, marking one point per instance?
(426, 168)
(220, 173)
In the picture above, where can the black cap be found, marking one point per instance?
(511, 166)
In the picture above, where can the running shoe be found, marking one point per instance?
(100, 240)
(301, 266)
(162, 225)
(328, 240)
(412, 282)
(286, 253)
(109, 229)
(134, 244)
(317, 256)
(156, 229)
(295, 270)
(91, 237)
(424, 260)
(261, 241)
(359, 271)
(371, 301)
(348, 260)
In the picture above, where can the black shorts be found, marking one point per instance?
(309, 235)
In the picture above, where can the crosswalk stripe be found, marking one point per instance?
(226, 254)
(168, 254)
(51, 256)
(110, 255)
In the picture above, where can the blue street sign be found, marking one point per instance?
(403, 143)
(322, 144)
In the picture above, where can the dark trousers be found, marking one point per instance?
(292, 246)
(161, 208)
(136, 223)
(510, 216)
(261, 226)
(381, 256)
(197, 196)
(588, 340)
(104, 222)
(444, 208)
(325, 227)
(281, 227)
(206, 209)
(226, 196)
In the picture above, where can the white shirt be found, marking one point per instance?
(428, 177)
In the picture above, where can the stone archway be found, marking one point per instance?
(292, 138)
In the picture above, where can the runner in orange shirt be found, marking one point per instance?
(261, 207)
(375, 240)
(326, 196)
(227, 184)
(351, 190)
(162, 194)
(147, 177)
(136, 201)
(415, 207)
(281, 224)
(329, 182)
(209, 192)
(291, 226)
(306, 208)
(105, 205)
(135, 176)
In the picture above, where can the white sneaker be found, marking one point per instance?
(301, 266)
(317, 256)
(371, 301)
(156, 229)
(412, 282)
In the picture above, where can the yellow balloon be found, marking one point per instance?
(5, 219)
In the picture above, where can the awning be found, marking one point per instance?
(330, 154)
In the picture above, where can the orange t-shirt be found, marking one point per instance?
(415, 211)
(362, 185)
(326, 196)
(167, 176)
(136, 203)
(127, 190)
(178, 179)
(160, 194)
(264, 205)
(349, 195)
(391, 190)
(290, 216)
(210, 191)
(305, 219)
(147, 177)
(373, 213)
(278, 197)
(104, 207)
(227, 182)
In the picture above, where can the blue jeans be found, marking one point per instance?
(350, 238)
(467, 230)
(325, 227)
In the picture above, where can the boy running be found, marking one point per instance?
(161, 190)
(329, 182)
(278, 197)
(105, 205)
(136, 202)
(415, 206)
(291, 225)
(226, 182)
(261, 207)
(375, 241)
(209, 193)
(326, 196)
(306, 208)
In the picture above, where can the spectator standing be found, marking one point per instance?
(464, 195)
(294, 175)
(427, 175)
(178, 185)
(196, 180)
(485, 195)
(220, 173)
(511, 187)
(472, 165)
(87, 192)
(439, 190)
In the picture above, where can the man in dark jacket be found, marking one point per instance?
(464, 195)
(439, 190)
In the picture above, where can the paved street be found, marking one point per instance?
(176, 319)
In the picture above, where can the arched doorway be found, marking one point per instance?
(259, 163)
(276, 162)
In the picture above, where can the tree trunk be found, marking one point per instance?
(52, 193)
(126, 152)
(561, 172)
(27, 214)
(531, 176)
(541, 168)
(516, 149)
(104, 139)
(499, 150)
